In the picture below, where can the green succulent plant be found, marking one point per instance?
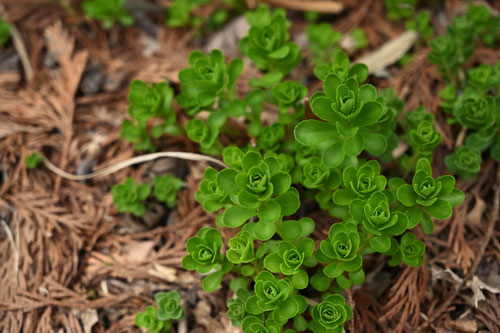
(465, 161)
(330, 315)
(130, 197)
(108, 12)
(166, 188)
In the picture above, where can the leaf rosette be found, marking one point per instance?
(340, 249)
(241, 248)
(330, 315)
(424, 139)
(376, 216)
(465, 161)
(437, 196)
(204, 251)
(169, 307)
(209, 194)
(149, 320)
(360, 183)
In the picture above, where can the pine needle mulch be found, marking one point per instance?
(70, 263)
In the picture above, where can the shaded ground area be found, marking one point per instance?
(69, 262)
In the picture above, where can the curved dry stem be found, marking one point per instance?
(131, 161)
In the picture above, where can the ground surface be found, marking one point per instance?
(70, 263)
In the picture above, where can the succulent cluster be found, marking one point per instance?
(472, 97)
(148, 102)
(131, 197)
(277, 263)
(159, 319)
(284, 280)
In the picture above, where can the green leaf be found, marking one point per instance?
(269, 212)
(344, 282)
(440, 210)
(235, 216)
(300, 280)
(427, 224)
(264, 231)
(375, 143)
(414, 215)
(290, 230)
(314, 132)
(234, 70)
(406, 195)
(307, 225)
(334, 155)
(288, 308)
(247, 270)
(239, 283)
(226, 181)
(357, 277)
(455, 198)
(33, 160)
(380, 243)
(252, 306)
(333, 270)
(353, 145)
(272, 263)
(353, 265)
(281, 182)
(212, 281)
(369, 114)
(289, 202)
(320, 282)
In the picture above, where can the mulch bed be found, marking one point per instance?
(69, 262)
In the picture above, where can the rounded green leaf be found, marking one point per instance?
(455, 198)
(314, 132)
(290, 230)
(269, 212)
(288, 308)
(357, 277)
(272, 263)
(380, 243)
(334, 155)
(354, 145)
(406, 195)
(344, 282)
(226, 181)
(289, 202)
(375, 143)
(235, 216)
(300, 280)
(427, 224)
(440, 209)
(264, 231)
(333, 270)
(281, 182)
(212, 281)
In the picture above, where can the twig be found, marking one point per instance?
(131, 161)
(18, 42)
(14, 249)
(322, 6)
(461, 137)
(19, 45)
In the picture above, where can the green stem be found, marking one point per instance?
(365, 245)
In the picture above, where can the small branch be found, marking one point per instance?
(19, 45)
(14, 249)
(461, 137)
(321, 6)
(131, 161)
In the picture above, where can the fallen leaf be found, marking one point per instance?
(461, 325)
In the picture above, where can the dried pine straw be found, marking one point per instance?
(70, 262)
